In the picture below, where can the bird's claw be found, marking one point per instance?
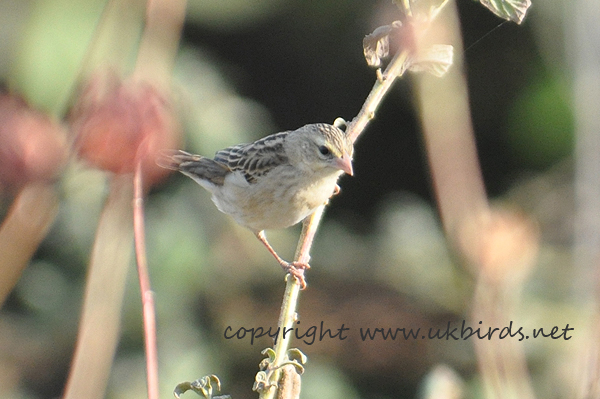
(300, 265)
(296, 269)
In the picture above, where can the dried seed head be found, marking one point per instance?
(502, 245)
(33, 147)
(116, 121)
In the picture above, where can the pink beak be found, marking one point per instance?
(345, 163)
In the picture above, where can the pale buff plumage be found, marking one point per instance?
(273, 183)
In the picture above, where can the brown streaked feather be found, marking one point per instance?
(256, 159)
(194, 165)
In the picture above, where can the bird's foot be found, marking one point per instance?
(296, 269)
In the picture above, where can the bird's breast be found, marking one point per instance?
(276, 202)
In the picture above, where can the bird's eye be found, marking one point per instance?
(324, 150)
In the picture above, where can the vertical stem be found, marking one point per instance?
(160, 41)
(463, 205)
(115, 37)
(448, 133)
(287, 317)
(583, 41)
(502, 364)
(105, 286)
(144, 279)
(25, 226)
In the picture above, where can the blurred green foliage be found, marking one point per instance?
(541, 127)
(52, 45)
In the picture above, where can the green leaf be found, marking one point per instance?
(513, 10)
(181, 388)
(202, 386)
(296, 355)
(265, 363)
(261, 382)
(270, 354)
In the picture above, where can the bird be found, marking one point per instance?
(274, 182)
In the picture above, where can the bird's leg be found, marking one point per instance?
(296, 269)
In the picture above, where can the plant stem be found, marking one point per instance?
(395, 69)
(287, 316)
(145, 289)
(25, 226)
(479, 232)
(99, 326)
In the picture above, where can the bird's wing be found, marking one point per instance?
(255, 159)
(197, 167)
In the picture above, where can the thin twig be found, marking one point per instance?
(395, 69)
(156, 54)
(144, 279)
(287, 317)
(309, 229)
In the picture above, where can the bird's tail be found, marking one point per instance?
(174, 159)
(197, 167)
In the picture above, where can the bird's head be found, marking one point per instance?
(321, 147)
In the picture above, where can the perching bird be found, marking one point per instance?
(273, 183)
